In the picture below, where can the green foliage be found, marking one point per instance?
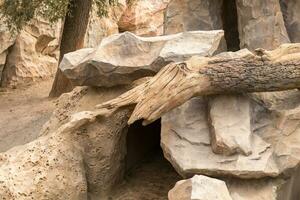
(16, 13)
(103, 5)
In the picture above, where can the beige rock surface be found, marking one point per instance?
(101, 27)
(230, 124)
(33, 55)
(261, 189)
(264, 189)
(76, 151)
(103, 142)
(122, 58)
(144, 18)
(50, 167)
(191, 15)
(261, 24)
(200, 188)
(185, 139)
(292, 18)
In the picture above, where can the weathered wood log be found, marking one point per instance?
(231, 72)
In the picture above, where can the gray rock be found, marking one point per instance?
(292, 18)
(200, 188)
(191, 15)
(261, 24)
(120, 59)
(185, 140)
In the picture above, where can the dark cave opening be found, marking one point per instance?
(148, 174)
(142, 142)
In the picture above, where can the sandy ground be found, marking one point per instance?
(23, 112)
(150, 180)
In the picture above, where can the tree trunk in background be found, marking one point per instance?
(74, 30)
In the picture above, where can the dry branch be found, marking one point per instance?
(231, 72)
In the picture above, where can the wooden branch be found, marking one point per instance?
(231, 72)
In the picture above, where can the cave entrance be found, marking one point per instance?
(142, 142)
(147, 171)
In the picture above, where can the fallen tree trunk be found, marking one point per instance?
(231, 72)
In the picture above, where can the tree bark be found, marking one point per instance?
(238, 72)
(75, 25)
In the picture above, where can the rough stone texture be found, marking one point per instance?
(290, 9)
(103, 142)
(33, 55)
(2, 62)
(262, 189)
(6, 40)
(145, 18)
(274, 143)
(191, 15)
(120, 59)
(230, 124)
(186, 143)
(200, 188)
(101, 27)
(261, 24)
(79, 155)
(50, 167)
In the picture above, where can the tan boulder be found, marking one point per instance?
(144, 18)
(33, 55)
(50, 167)
(101, 27)
(102, 141)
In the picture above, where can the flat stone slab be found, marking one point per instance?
(122, 58)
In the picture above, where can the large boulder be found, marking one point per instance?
(122, 58)
(102, 142)
(186, 142)
(33, 54)
(50, 167)
(200, 188)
